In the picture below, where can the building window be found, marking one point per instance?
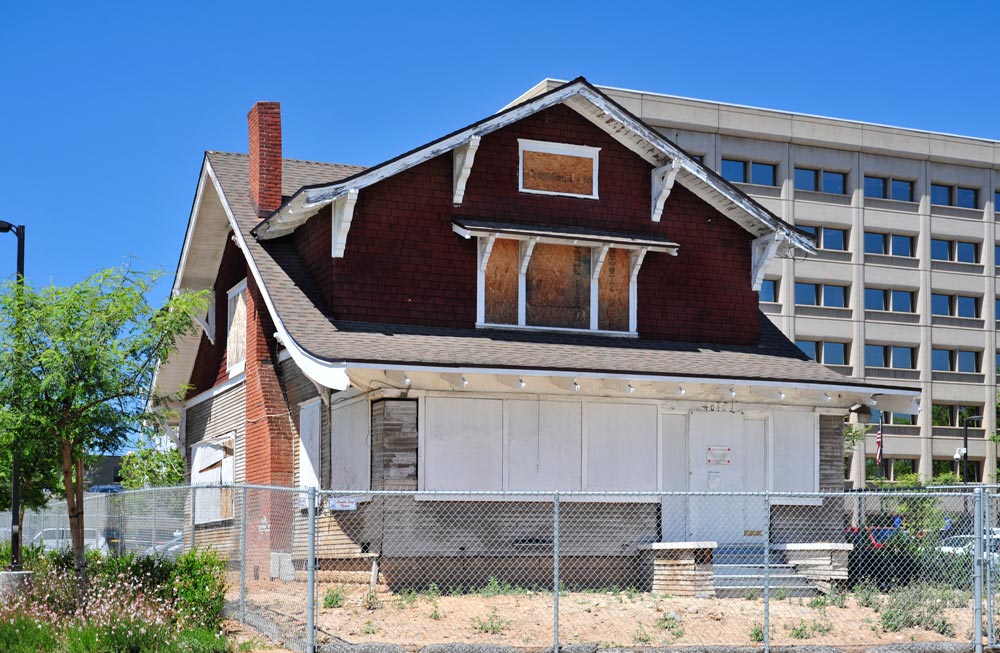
(815, 294)
(891, 244)
(896, 357)
(947, 195)
(558, 168)
(827, 237)
(966, 306)
(885, 299)
(940, 304)
(967, 361)
(961, 251)
(700, 158)
(212, 464)
(900, 190)
(557, 289)
(955, 360)
(761, 174)
(236, 330)
(769, 290)
(824, 181)
(996, 201)
(828, 353)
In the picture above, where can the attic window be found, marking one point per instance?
(236, 330)
(557, 169)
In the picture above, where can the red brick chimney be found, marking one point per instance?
(265, 156)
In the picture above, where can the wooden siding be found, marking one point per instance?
(217, 416)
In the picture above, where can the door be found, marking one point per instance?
(727, 453)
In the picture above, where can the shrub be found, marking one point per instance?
(199, 588)
(867, 595)
(919, 606)
(199, 640)
(23, 634)
(757, 633)
(334, 597)
(492, 624)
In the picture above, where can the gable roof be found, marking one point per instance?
(595, 106)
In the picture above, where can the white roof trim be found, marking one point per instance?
(609, 116)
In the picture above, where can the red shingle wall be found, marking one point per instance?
(404, 264)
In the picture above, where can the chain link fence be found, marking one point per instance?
(320, 570)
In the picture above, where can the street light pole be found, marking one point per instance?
(965, 445)
(15, 472)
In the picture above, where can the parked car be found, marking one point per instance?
(168, 549)
(52, 539)
(113, 488)
(966, 545)
(872, 537)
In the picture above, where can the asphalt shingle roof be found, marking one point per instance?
(293, 294)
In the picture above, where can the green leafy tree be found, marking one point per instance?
(148, 466)
(76, 367)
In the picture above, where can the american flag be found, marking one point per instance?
(878, 443)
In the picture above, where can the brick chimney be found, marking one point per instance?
(265, 156)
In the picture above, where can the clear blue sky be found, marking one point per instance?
(106, 110)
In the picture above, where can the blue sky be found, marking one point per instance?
(106, 109)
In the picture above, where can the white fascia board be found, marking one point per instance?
(192, 220)
(822, 387)
(325, 373)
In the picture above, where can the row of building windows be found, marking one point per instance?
(762, 173)
(899, 357)
(876, 299)
(876, 242)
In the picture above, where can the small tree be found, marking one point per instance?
(148, 466)
(76, 367)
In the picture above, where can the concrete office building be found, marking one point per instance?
(903, 290)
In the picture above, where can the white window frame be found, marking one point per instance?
(225, 441)
(235, 368)
(526, 248)
(547, 147)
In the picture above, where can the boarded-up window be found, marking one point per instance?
(212, 465)
(558, 168)
(236, 334)
(501, 283)
(350, 446)
(463, 447)
(309, 428)
(558, 287)
(613, 291)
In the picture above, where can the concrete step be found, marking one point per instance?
(757, 591)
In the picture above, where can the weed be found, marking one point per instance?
(492, 624)
(631, 593)
(405, 599)
(435, 612)
(496, 587)
(751, 594)
(671, 623)
(800, 630)
(821, 627)
(818, 602)
(248, 645)
(640, 636)
(334, 597)
(867, 595)
(369, 629)
(372, 601)
(919, 606)
(780, 594)
(757, 633)
(432, 592)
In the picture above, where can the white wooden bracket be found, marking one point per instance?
(527, 247)
(485, 249)
(597, 256)
(764, 249)
(663, 182)
(638, 256)
(343, 214)
(207, 321)
(463, 157)
(324, 393)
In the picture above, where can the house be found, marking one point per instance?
(555, 297)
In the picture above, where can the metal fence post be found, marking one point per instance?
(767, 572)
(555, 573)
(988, 530)
(977, 570)
(193, 489)
(311, 575)
(243, 556)
(152, 535)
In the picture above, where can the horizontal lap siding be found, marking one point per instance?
(824, 523)
(214, 417)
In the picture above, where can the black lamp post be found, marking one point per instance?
(15, 473)
(965, 444)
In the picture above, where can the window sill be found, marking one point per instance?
(892, 205)
(892, 260)
(596, 332)
(237, 369)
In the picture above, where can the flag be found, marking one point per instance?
(878, 443)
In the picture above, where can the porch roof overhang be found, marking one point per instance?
(469, 227)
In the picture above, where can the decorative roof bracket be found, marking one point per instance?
(343, 214)
(463, 157)
(663, 182)
(485, 249)
(207, 322)
(764, 249)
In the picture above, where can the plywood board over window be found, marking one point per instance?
(558, 168)
(613, 290)
(557, 288)
(501, 283)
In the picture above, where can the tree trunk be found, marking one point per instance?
(74, 508)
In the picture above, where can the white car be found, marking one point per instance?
(52, 539)
(966, 545)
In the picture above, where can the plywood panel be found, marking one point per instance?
(501, 283)
(545, 446)
(795, 440)
(463, 444)
(558, 287)
(612, 289)
(557, 173)
(621, 447)
(350, 447)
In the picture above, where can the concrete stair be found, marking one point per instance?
(739, 571)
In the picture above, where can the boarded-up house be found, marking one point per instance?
(553, 298)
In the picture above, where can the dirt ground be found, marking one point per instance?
(625, 618)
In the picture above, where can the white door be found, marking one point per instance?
(727, 453)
